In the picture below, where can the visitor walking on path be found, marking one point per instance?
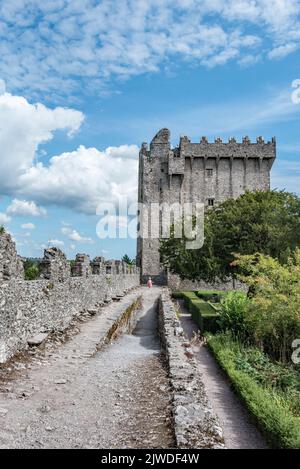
(149, 283)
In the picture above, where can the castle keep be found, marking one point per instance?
(203, 172)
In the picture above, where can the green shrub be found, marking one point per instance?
(232, 313)
(211, 295)
(188, 297)
(31, 269)
(273, 316)
(32, 273)
(216, 306)
(270, 406)
(177, 295)
(204, 315)
(2, 229)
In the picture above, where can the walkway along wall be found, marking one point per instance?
(50, 303)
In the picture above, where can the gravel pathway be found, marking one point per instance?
(239, 431)
(76, 397)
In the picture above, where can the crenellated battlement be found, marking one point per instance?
(175, 158)
(162, 139)
(50, 303)
(55, 266)
(232, 141)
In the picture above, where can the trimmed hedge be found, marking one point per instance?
(281, 427)
(205, 316)
(177, 295)
(203, 313)
(189, 297)
(211, 295)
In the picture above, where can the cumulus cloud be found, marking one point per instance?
(91, 41)
(84, 178)
(80, 179)
(24, 208)
(73, 235)
(25, 126)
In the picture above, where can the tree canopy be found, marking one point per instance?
(127, 260)
(267, 222)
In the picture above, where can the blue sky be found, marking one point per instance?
(83, 83)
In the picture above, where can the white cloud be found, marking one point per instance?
(4, 218)
(56, 242)
(79, 179)
(73, 235)
(23, 208)
(282, 51)
(83, 178)
(52, 43)
(25, 126)
(28, 226)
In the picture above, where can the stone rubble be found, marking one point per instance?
(37, 340)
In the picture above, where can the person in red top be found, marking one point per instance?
(149, 283)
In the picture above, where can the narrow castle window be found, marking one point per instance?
(210, 202)
(209, 173)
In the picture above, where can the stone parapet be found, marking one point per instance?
(195, 424)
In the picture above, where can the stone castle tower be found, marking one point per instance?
(203, 172)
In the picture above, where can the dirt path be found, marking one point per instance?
(76, 398)
(239, 431)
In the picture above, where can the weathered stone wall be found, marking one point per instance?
(55, 265)
(82, 266)
(28, 308)
(195, 424)
(207, 173)
(175, 283)
(11, 265)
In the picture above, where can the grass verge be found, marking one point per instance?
(270, 391)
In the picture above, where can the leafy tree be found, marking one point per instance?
(272, 318)
(192, 264)
(264, 221)
(31, 269)
(127, 260)
(2, 229)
